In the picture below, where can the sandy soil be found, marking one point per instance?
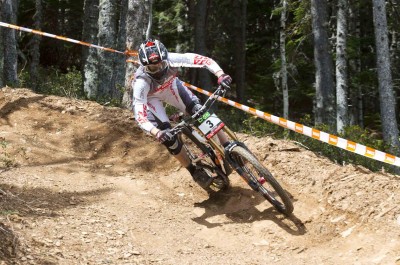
(81, 184)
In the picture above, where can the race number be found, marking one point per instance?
(210, 124)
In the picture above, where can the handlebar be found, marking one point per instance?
(220, 91)
(210, 101)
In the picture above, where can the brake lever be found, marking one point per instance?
(214, 95)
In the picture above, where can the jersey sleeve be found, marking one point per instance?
(193, 60)
(140, 90)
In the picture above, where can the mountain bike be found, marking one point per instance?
(201, 137)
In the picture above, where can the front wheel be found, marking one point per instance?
(261, 180)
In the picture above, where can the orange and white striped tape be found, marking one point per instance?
(311, 132)
(7, 25)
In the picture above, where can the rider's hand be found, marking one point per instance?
(164, 135)
(224, 80)
(176, 116)
(195, 109)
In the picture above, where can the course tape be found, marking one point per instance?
(311, 132)
(7, 25)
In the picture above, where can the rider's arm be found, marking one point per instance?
(154, 131)
(194, 60)
(140, 90)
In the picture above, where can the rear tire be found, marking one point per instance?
(260, 179)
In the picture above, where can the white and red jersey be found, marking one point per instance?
(149, 93)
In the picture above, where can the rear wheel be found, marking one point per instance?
(261, 180)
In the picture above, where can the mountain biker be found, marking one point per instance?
(155, 82)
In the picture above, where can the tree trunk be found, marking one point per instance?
(150, 25)
(120, 61)
(107, 36)
(191, 6)
(89, 55)
(324, 85)
(10, 43)
(341, 67)
(356, 113)
(136, 24)
(35, 49)
(200, 47)
(1, 48)
(61, 17)
(240, 9)
(386, 93)
(394, 11)
(282, 38)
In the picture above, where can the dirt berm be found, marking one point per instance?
(81, 184)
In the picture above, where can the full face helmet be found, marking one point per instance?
(153, 56)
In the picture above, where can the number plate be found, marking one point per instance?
(210, 124)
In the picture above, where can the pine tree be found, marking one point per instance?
(89, 55)
(136, 25)
(9, 14)
(324, 85)
(35, 49)
(341, 67)
(107, 36)
(386, 93)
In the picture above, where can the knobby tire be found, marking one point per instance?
(241, 156)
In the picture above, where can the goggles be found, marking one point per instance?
(155, 68)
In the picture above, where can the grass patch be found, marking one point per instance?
(6, 161)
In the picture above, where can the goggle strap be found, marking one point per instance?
(142, 46)
(159, 51)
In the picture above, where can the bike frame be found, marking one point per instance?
(192, 121)
(214, 141)
(205, 126)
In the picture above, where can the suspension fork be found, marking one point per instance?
(220, 151)
(218, 147)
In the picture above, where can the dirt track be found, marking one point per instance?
(90, 188)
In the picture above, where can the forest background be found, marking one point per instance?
(333, 65)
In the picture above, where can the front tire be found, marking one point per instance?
(260, 179)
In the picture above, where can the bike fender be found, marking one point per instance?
(228, 150)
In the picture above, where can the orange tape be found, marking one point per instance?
(311, 132)
(7, 25)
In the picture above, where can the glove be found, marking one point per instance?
(196, 108)
(164, 135)
(176, 116)
(224, 80)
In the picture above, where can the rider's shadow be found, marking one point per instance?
(241, 205)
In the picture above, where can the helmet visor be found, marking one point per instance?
(155, 68)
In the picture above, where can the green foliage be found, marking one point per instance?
(8, 212)
(54, 82)
(239, 121)
(260, 127)
(338, 155)
(301, 25)
(171, 25)
(5, 159)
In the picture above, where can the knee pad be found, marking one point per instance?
(174, 146)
